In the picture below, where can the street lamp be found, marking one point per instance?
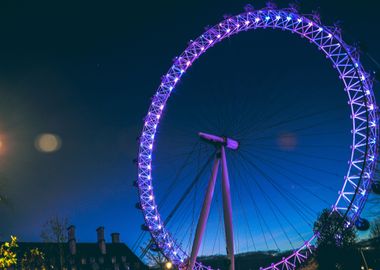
(168, 265)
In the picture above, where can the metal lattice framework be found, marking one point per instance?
(357, 84)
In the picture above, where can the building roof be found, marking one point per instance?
(87, 256)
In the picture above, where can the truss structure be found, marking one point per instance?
(357, 84)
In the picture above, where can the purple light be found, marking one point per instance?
(329, 48)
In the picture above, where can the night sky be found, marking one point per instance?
(86, 71)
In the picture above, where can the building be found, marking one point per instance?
(98, 255)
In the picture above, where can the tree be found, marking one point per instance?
(55, 231)
(375, 228)
(154, 257)
(8, 255)
(336, 243)
(4, 200)
(33, 259)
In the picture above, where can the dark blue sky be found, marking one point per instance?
(86, 71)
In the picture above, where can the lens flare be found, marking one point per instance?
(287, 141)
(48, 143)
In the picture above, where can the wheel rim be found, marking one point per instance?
(357, 85)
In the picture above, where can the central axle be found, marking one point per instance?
(219, 141)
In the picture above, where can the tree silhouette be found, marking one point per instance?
(336, 243)
(375, 228)
(54, 231)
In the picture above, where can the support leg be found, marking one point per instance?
(227, 210)
(204, 214)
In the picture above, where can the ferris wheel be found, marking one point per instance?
(354, 188)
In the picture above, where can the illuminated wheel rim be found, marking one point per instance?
(357, 85)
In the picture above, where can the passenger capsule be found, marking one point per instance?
(362, 224)
(144, 227)
(376, 187)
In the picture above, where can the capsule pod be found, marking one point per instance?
(138, 206)
(144, 227)
(362, 224)
(376, 187)
(154, 247)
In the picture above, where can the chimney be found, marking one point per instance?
(71, 239)
(101, 241)
(115, 237)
